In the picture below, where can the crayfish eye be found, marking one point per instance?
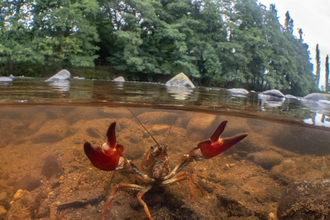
(152, 147)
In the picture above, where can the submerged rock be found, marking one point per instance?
(61, 75)
(119, 79)
(266, 159)
(201, 126)
(28, 182)
(306, 199)
(51, 167)
(51, 131)
(180, 80)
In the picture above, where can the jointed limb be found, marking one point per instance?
(113, 191)
(139, 196)
(186, 176)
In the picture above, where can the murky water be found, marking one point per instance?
(43, 128)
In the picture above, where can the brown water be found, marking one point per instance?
(41, 149)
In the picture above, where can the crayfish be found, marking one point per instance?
(154, 168)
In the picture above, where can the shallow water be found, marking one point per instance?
(42, 137)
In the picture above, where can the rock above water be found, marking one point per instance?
(51, 167)
(314, 97)
(238, 91)
(28, 182)
(5, 79)
(61, 75)
(201, 126)
(180, 80)
(306, 199)
(273, 92)
(266, 159)
(119, 79)
(273, 98)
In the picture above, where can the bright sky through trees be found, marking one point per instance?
(314, 19)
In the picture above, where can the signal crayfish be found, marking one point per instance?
(154, 168)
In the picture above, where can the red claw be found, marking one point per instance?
(217, 145)
(107, 156)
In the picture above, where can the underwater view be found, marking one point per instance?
(50, 136)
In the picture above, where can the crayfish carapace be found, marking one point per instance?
(154, 168)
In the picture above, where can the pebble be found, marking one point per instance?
(19, 194)
(232, 165)
(271, 216)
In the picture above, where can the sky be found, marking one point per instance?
(314, 19)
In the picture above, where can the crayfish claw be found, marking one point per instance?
(106, 157)
(216, 145)
(215, 136)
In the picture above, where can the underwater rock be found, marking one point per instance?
(180, 80)
(119, 79)
(28, 182)
(158, 117)
(51, 131)
(306, 199)
(93, 132)
(61, 75)
(3, 196)
(51, 167)
(2, 210)
(201, 126)
(266, 159)
(159, 129)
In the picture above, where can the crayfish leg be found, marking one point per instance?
(120, 186)
(139, 196)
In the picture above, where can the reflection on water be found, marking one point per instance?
(237, 102)
(60, 85)
(319, 120)
(179, 93)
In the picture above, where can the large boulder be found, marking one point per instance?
(266, 159)
(119, 79)
(180, 80)
(306, 199)
(61, 75)
(238, 91)
(201, 126)
(314, 97)
(273, 98)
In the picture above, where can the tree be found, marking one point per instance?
(64, 31)
(327, 73)
(16, 42)
(318, 64)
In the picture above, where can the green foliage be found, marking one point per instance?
(230, 43)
